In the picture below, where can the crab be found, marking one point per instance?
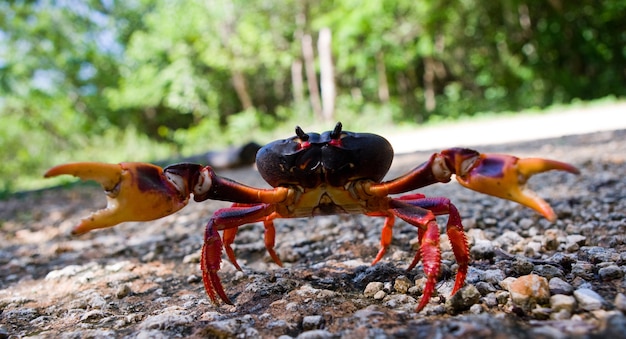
(311, 174)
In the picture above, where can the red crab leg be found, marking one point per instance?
(269, 237)
(454, 230)
(428, 233)
(227, 219)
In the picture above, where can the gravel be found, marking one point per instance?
(528, 277)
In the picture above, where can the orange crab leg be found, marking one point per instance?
(139, 191)
(135, 192)
(503, 176)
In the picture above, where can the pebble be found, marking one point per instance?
(560, 286)
(312, 322)
(551, 239)
(122, 291)
(597, 254)
(101, 300)
(529, 290)
(483, 250)
(620, 302)
(610, 272)
(508, 238)
(522, 266)
(235, 327)
(493, 276)
(400, 302)
(193, 279)
(315, 334)
(93, 315)
(506, 282)
(168, 318)
(150, 334)
(462, 300)
(372, 288)
(583, 270)
(490, 300)
(402, 284)
(476, 309)
(560, 315)
(573, 242)
(380, 295)
(532, 249)
(485, 288)
(548, 271)
(588, 299)
(563, 302)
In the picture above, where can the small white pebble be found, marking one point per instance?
(372, 288)
(380, 295)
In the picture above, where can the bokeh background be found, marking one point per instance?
(142, 80)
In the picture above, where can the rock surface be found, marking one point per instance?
(142, 279)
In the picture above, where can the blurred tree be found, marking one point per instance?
(55, 61)
(198, 70)
(204, 61)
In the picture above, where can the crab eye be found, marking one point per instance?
(336, 135)
(302, 138)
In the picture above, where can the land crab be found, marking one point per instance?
(336, 172)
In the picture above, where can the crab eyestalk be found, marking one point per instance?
(135, 191)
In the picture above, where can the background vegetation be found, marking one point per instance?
(136, 80)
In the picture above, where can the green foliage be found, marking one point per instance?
(96, 79)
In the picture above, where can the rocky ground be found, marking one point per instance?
(528, 278)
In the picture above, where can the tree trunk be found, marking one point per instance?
(327, 74)
(429, 84)
(297, 82)
(383, 86)
(311, 76)
(239, 82)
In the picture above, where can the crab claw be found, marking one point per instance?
(505, 176)
(135, 191)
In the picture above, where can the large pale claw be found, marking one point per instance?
(505, 176)
(135, 192)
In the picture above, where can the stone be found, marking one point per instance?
(522, 266)
(312, 322)
(563, 302)
(529, 291)
(315, 334)
(168, 318)
(402, 284)
(560, 286)
(372, 288)
(483, 250)
(548, 271)
(588, 299)
(122, 291)
(610, 272)
(620, 302)
(463, 299)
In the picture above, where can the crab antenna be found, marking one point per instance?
(300, 133)
(336, 132)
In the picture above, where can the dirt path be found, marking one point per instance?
(143, 279)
